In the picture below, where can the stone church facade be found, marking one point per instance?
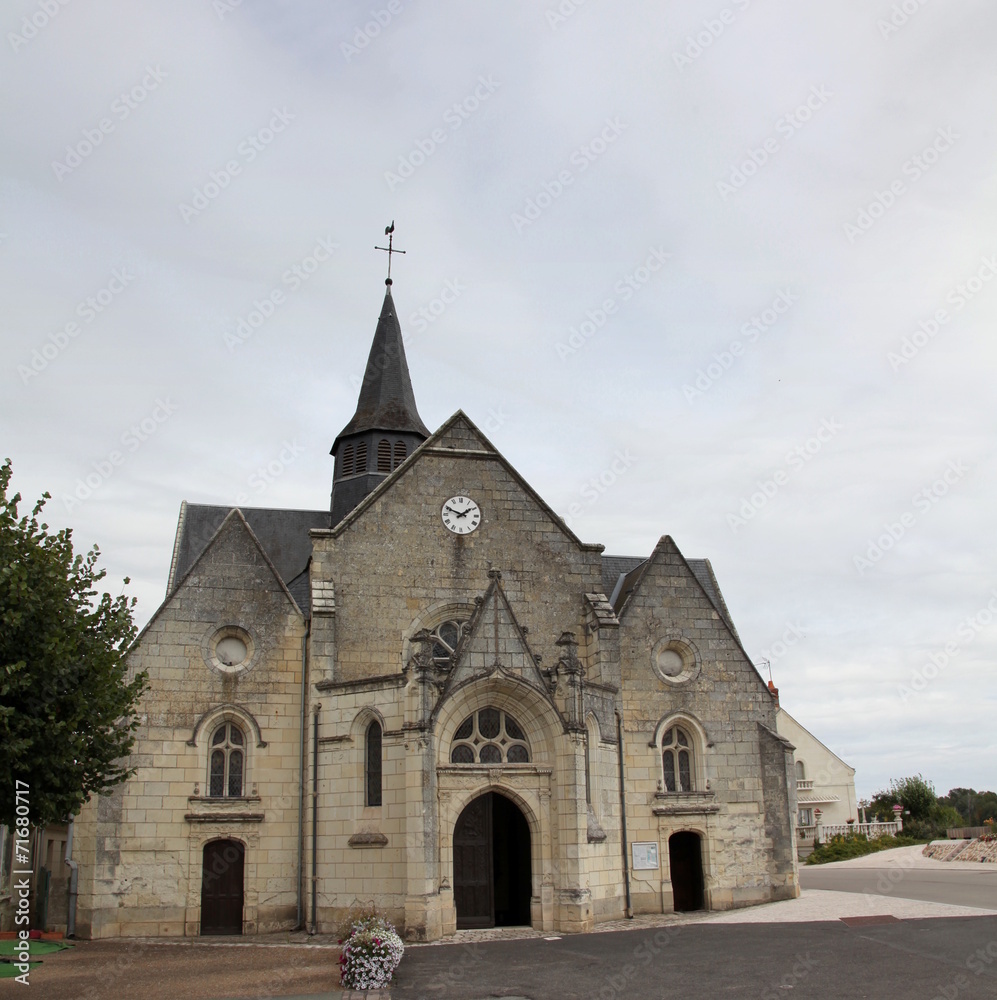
(436, 698)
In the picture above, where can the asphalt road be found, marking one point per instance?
(944, 959)
(963, 886)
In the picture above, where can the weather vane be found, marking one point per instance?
(389, 249)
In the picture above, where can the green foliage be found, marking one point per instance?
(840, 848)
(945, 817)
(974, 807)
(67, 705)
(916, 794)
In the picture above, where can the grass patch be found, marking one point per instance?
(841, 848)
(36, 946)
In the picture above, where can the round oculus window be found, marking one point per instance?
(230, 649)
(674, 661)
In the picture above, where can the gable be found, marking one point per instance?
(458, 437)
(669, 599)
(281, 534)
(232, 579)
(494, 641)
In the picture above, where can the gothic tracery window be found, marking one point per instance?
(227, 762)
(445, 636)
(676, 760)
(489, 736)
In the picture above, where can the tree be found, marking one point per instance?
(915, 794)
(67, 704)
(973, 806)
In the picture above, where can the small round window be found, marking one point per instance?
(674, 661)
(230, 649)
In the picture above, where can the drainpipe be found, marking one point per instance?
(302, 779)
(313, 927)
(74, 882)
(623, 820)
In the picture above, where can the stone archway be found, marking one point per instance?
(492, 877)
(685, 865)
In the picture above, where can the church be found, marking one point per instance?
(435, 698)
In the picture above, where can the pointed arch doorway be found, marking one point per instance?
(685, 864)
(493, 881)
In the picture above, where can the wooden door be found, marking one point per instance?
(222, 887)
(474, 888)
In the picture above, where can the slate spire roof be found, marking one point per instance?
(387, 402)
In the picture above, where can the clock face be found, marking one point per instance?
(461, 515)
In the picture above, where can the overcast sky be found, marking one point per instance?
(727, 273)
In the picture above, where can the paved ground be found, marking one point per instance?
(910, 960)
(906, 872)
(828, 945)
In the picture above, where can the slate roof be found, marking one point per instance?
(631, 568)
(282, 533)
(285, 539)
(387, 401)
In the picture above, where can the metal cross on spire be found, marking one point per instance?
(389, 249)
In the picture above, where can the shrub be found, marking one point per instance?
(839, 848)
(371, 953)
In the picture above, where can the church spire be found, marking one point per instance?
(386, 427)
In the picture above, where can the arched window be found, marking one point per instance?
(490, 736)
(446, 635)
(227, 762)
(347, 461)
(676, 760)
(361, 462)
(801, 771)
(399, 453)
(372, 765)
(384, 455)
